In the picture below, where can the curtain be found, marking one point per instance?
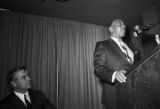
(27, 40)
(58, 54)
(78, 86)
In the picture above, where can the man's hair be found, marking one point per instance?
(115, 22)
(12, 72)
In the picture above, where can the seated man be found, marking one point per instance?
(22, 97)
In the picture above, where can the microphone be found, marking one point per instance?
(139, 29)
(146, 27)
(136, 30)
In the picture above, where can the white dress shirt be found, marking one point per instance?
(21, 96)
(130, 53)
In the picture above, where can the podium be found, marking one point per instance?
(142, 89)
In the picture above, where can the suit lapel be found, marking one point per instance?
(17, 102)
(117, 48)
(32, 98)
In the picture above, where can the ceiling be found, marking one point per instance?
(89, 11)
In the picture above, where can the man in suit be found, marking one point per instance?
(22, 97)
(111, 60)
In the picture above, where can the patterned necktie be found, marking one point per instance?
(125, 51)
(28, 104)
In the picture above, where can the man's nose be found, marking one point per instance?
(28, 78)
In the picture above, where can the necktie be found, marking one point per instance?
(28, 104)
(125, 51)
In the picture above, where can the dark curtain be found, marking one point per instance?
(29, 41)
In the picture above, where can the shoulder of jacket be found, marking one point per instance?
(35, 91)
(104, 42)
(8, 100)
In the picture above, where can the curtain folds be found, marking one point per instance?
(58, 54)
(28, 41)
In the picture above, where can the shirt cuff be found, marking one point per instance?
(113, 76)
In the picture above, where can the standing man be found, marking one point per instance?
(22, 97)
(111, 60)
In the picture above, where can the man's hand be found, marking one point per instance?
(120, 76)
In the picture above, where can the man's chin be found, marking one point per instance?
(122, 36)
(29, 86)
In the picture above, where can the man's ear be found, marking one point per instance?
(13, 83)
(110, 29)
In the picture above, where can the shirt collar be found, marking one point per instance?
(21, 95)
(116, 39)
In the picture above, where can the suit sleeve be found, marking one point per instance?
(3, 106)
(102, 69)
(46, 103)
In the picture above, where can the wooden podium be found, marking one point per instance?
(142, 89)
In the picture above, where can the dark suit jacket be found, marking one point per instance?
(108, 58)
(38, 100)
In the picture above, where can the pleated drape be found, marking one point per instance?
(58, 54)
(78, 86)
(27, 40)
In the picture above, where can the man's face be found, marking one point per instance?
(118, 29)
(21, 81)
